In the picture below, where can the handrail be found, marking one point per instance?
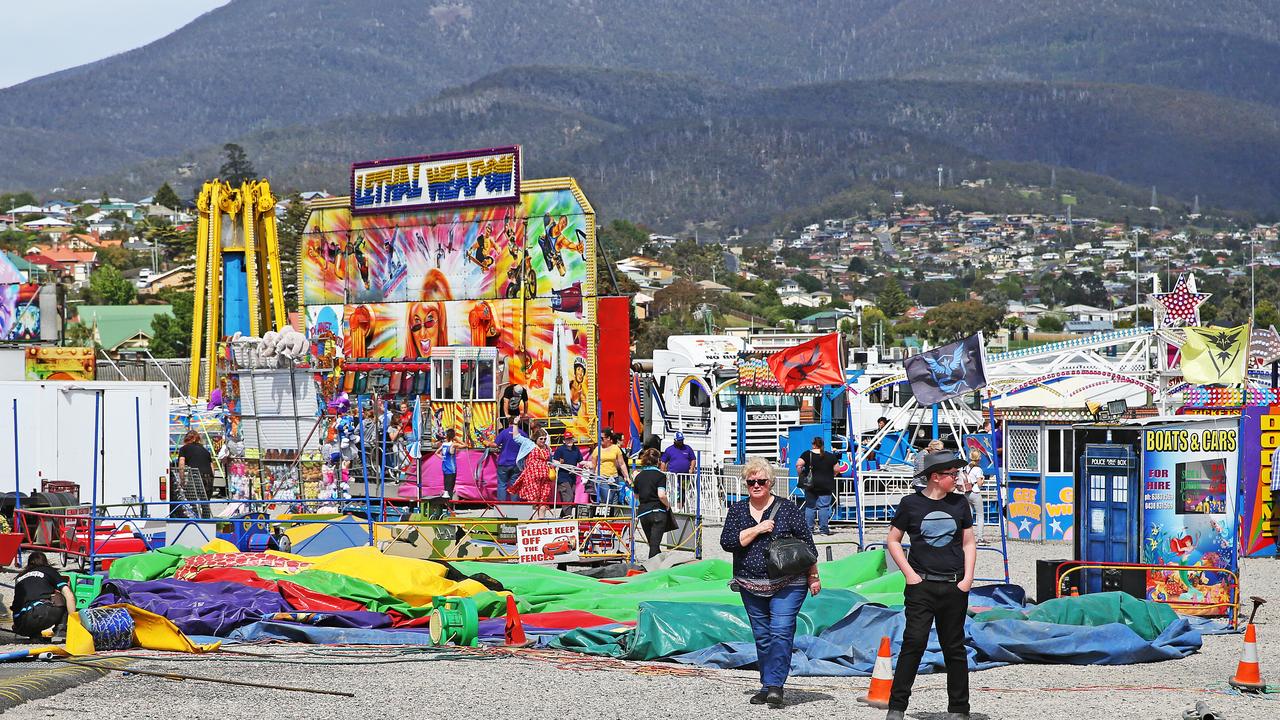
(1233, 607)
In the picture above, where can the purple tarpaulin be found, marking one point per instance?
(213, 608)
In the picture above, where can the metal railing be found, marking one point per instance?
(1233, 592)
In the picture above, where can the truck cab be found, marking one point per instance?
(689, 388)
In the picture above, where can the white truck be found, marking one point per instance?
(683, 389)
(47, 433)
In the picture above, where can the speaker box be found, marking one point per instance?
(1046, 573)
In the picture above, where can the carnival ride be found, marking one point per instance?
(239, 290)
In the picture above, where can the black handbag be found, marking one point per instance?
(788, 555)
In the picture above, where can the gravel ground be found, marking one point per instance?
(554, 685)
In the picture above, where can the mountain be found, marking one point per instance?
(258, 65)
(674, 149)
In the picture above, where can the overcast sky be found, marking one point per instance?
(38, 37)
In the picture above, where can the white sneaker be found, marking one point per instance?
(445, 495)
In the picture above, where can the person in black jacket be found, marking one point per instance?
(650, 485)
(772, 603)
(41, 597)
(819, 495)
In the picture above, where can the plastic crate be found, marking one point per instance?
(85, 588)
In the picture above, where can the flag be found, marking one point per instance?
(415, 438)
(816, 362)
(1215, 355)
(947, 371)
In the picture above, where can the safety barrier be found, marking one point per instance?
(1232, 606)
(494, 539)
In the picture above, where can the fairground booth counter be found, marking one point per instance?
(450, 283)
(1157, 511)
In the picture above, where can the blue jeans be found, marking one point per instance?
(607, 494)
(819, 505)
(507, 475)
(773, 623)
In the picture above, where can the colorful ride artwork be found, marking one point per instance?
(462, 305)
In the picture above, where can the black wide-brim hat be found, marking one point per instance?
(939, 461)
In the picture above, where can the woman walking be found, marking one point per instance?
(973, 478)
(650, 486)
(772, 603)
(535, 483)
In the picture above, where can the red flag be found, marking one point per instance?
(816, 362)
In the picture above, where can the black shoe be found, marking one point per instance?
(774, 698)
(760, 697)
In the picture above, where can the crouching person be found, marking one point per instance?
(41, 597)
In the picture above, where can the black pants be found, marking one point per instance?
(655, 526)
(450, 483)
(949, 605)
(42, 617)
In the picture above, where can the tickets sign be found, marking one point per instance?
(547, 543)
(469, 178)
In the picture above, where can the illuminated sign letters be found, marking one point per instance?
(473, 177)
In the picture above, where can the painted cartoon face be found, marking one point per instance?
(579, 373)
(426, 328)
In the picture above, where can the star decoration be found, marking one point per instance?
(1181, 305)
(1056, 524)
(1264, 346)
(1024, 526)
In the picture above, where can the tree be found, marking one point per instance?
(166, 197)
(108, 287)
(891, 300)
(1050, 322)
(237, 169)
(9, 201)
(937, 292)
(289, 232)
(808, 282)
(171, 332)
(1265, 314)
(953, 320)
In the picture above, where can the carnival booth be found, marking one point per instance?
(1155, 493)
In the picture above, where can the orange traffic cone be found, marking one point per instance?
(1075, 592)
(515, 628)
(881, 678)
(1248, 675)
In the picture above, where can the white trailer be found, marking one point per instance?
(47, 433)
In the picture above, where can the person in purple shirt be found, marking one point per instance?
(508, 445)
(679, 458)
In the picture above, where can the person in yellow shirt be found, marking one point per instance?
(612, 464)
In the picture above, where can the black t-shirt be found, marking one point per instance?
(936, 531)
(37, 583)
(646, 483)
(197, 457)
(822, 471)
(514, 396)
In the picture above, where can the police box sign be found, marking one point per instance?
(472, 177)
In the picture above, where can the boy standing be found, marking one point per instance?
(939, 573)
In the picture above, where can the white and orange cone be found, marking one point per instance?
(881, 678)
(1248, 673)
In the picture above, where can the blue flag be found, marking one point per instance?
(948, 371)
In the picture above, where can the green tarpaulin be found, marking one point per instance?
(545, 589)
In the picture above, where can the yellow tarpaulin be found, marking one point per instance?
(409, 579)
(151, 631)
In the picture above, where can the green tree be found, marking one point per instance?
(937, 292)
(166, 197)
(237, 168)
(808, 282)
(171, 332)
(891, 300)
(953, 320)
(77, 335)
(1050, 322)
(289, 232)
(1265, 314)
(9, 201)
(108, 287)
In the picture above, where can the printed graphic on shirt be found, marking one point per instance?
(938, 528)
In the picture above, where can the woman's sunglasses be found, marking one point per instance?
(756, 482)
